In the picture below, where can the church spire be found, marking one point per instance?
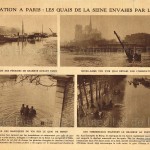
(90, 25)
(22, 28)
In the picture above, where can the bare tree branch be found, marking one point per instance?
(37, 79)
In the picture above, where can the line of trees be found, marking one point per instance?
(99, 86)
(94, 98)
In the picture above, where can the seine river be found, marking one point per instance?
(131, 107)
(33, 53)
(101, 59)
(14, 93)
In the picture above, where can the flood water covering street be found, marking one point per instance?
(15, 93)
(130, 106)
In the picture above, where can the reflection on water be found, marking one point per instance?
(130, 105)
(14, 94)
(132, 110)
(31, 53)
(136, 103)
(100, 59)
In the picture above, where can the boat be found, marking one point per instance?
(31, 41)
(8, 38)
(146, 82)
(131, 54)
(118, 105)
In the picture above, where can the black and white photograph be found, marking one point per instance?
(113, 101)
(36, 101)
(105, 41)
(28, 40)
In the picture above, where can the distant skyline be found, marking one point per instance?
(123, 25)
(31, 23)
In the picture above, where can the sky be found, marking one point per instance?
(123, 25)
(31, 23)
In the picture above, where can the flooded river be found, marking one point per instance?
(101, 59)
(33, 53)
(13, 94)
(131, 107)
(136, 105)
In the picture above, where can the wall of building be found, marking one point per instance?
(64, 102)
(67, 119)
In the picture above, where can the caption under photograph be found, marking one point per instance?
(37, 101)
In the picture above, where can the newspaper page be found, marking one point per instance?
(74, 74)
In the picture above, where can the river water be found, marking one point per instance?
(101, 59)
(136, 102)
(33, 53)
(13, 94)
(131, 107)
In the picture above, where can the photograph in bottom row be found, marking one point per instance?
(37, 100)
(113, 101)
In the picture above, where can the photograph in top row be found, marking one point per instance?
(105, 41)
(28, 40)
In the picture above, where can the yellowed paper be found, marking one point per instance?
(80, 64)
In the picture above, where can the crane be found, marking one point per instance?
(53, 33)
(128, 52)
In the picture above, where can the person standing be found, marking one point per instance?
(22, 110)
(26, 111)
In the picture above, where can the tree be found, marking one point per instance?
(86, 97)
(91, 92)
(36, 79)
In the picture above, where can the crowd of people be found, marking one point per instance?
(27, 112)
